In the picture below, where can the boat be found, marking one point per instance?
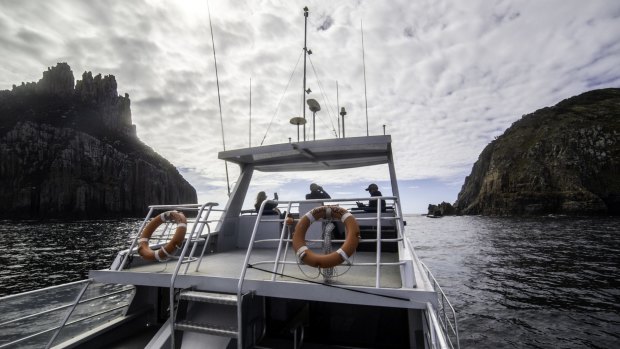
(236, 281)
(237, 278)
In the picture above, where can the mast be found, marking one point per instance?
(250, 133)
(364, 64)
(337, 108)
(219, 100)
(305, 54)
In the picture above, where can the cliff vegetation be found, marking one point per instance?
(563, 159)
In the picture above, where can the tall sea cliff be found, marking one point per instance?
(563, 159)
(69, 149)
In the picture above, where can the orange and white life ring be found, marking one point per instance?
(335, 258)
(166, 251)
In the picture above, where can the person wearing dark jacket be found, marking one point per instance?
(373, 189)
(270, 208)
(317, 192)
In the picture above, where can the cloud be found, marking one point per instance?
(445, 77)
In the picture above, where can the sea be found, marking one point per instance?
(544, 282)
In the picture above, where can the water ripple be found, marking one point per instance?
(527, 282)
(516, 283)
(45, 254)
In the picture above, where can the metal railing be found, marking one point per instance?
(157, 240)
(51, 296)
(435, 335)
(195, 235)
(445, 315)
(280, 258)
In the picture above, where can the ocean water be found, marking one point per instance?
(551, 282)
(36, 255)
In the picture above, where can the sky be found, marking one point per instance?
(442, 77)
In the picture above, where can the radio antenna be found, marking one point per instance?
(337, 108)
(219, 100)
(305, 55)
(250, 133)
(364, 63)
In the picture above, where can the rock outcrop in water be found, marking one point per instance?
(73, 152)
(558, 160)
(443, 209)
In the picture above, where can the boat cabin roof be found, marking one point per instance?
(325, 154)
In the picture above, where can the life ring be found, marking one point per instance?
(335, 258)
(177, 239)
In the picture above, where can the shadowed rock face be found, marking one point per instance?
(559, 160)
(73, 152)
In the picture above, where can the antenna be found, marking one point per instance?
(250, 133)
(364, 63)
(305, 54)
(297, 121)
(343, 113)
(337, 107)
(314, 107)
(219, 100)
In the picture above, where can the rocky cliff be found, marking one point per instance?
(72, 151)
(443, 209)
(558, 160)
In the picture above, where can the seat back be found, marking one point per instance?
(267, 229)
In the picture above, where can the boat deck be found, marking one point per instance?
(220, 272)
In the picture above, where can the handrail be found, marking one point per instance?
(64, 321)
(198, 234)
(206, 243)
(437, 340)
(5, 298)
(71, 306)
(152, 208)
(64, 306)
(198, 227)
(285, 228)
(6, 345)
(378, 270)
(244, 270)
(397, 217)
(189, 240)
(121, 266)
(443, 299)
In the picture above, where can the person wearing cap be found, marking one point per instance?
(373, 189)
(317, 192)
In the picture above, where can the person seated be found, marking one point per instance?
(373, 189)
(317, 192)
(271, 208)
